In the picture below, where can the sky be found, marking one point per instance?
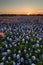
(21, 6)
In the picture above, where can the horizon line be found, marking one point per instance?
(21, 14)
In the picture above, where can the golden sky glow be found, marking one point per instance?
(21, 12)
(21, 7)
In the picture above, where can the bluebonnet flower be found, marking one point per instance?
(14, 55)
(8, 51)
(9, 58)
(10, 45)
(18, 63)
(19, 51)
(24, 50)
(41, 57)
(4, 53)
(33, 46)
(37, 41)
(1, 49)
(36, 45)
(27, 37)
(27, 56)
(3, 58)
(6, 46)
(6, 61)
(32, 64)
(23, 40)
(26, 42)
(33, 58)
(18, 56)
(10, 39)
(2, 63)
(22, 59)
(14, 63)
(28, 49)
(18, 43)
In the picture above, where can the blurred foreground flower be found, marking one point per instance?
(1, 34)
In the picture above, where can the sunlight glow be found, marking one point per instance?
(28, 13)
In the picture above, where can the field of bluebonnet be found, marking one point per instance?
(22, 43)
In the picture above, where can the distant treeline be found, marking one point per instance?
(21, 15)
